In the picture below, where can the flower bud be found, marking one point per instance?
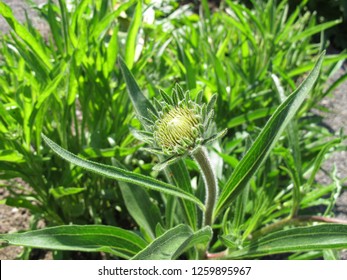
(177, 129)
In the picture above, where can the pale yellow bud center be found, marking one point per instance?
(178, 124)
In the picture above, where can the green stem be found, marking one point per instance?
(200, 155)
(298, 220)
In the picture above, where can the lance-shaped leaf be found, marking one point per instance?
(133, 33)
(90, 238)
(174, 242)
(139, 101)
(266, 140)
(144, 211)
(328, 236)
(121, 174)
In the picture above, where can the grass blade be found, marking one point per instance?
(266, 140)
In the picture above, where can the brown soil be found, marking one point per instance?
(12, 220)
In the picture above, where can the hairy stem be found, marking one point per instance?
(200, 156)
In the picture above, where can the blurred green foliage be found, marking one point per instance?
(325, 10)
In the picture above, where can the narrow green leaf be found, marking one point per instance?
(139, 101)
(64, 17)
(73, 72)
(174, 242)
(24, 34)
(23, 202)
(61, 191)
(189, 69)
(231, 160)
(336, 84)
(121, 174)
(335, 194)
(7, 118)
(53, 22)
(327, 236)
(112, 50)
(145, 212)
(202, 236)
(292, 158)
(180, 176)
(52, 85)
(306, 67)
(130, 46)
(77, 22)
(206, 9)
(266, 140)
(288, 25)
(90, 238)
(32, 60)
(319, 159)
(102, 25)
(315, 29)
(11, 156)
(168, 246)
(250, 116)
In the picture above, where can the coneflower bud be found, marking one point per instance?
(179, 126)
(177, 130)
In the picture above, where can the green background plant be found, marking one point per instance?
(70, 87)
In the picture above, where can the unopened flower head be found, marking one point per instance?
(178, 130)
(180, 125)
